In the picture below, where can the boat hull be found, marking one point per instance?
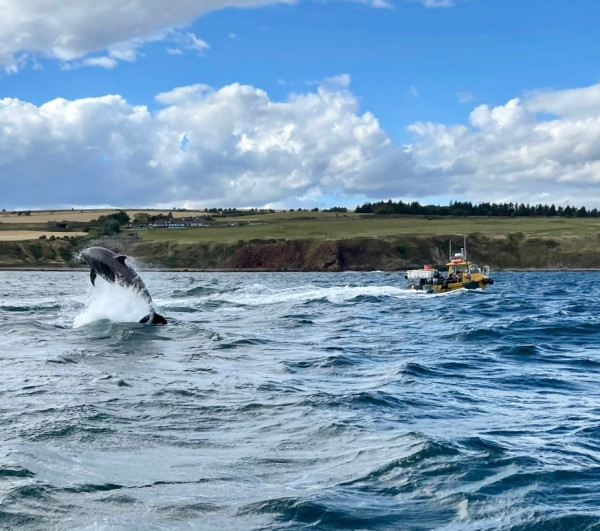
(449, 286)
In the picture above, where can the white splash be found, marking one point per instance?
(113, 302)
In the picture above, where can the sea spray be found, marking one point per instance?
(113, 302)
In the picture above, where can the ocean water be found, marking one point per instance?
(299, 401)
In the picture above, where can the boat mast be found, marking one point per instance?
(465, 247)
(449, 250)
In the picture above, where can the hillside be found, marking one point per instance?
(303, 241)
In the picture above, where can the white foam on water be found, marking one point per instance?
(113, 302)
(257, 294)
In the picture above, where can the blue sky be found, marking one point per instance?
(299, 104)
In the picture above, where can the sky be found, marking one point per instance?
(298, 104)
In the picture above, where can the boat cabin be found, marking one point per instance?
(460, 274)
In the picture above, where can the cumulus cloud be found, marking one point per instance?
(542, 148)
(233, 146)
(71, 29)
(579, 102)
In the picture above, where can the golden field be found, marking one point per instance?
(24, 235)
(46, 216)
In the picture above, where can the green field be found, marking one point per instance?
(314, 241)
(331, 226)
(309, 226)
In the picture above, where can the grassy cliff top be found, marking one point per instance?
(306, 225)
(331, 226)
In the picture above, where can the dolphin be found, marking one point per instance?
(112, 268)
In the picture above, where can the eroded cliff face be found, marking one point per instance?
(37, 253)
(269, 255)
(499, 251)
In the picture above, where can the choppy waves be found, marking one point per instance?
(292, 401)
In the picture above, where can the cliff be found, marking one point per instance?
(499, 251)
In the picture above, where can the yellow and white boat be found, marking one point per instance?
(461, 274)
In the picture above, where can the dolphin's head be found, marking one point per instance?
(84, 254)
(94, 254)
(103, 262)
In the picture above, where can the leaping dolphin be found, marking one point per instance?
(112, 268)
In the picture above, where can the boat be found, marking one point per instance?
(461, 274)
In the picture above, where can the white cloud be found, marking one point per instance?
(194, 43)
(187, 41)
(341, 81)
(71, 29)
(516, 152)
(579, 102)
(183, 94)
(124, 51)
(388, 4)
(233, 146)
(434, 3)
(103, 62)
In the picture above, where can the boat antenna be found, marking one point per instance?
(465, 244)
(449, 250)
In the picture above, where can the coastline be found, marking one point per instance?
(507, 252)
(79, 269)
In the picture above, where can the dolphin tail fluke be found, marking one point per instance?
(158, 319)
(153, 318)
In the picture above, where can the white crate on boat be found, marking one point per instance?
(419, 273)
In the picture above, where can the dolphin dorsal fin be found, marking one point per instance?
(121, 258)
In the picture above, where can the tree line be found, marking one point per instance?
(466, 208)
